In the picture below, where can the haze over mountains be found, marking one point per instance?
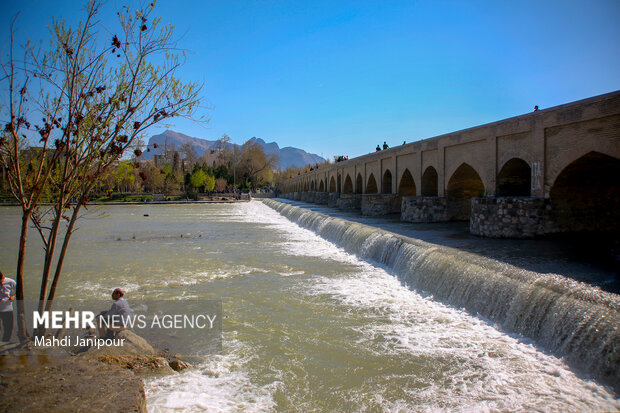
(288, 156)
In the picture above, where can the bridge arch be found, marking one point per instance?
(464, 184)
(312, 187)
(339, 183)
(430, 182)
(386, 183)
(407, 184)
(348, 185)
(515, 178)
(332, 184)
(306, 186)
(321, 186)
(371, 186)
(359, 184)
(586, 196)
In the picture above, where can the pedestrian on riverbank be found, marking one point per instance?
(115, 319)
(7, 296)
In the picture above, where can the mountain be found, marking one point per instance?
(175, 140)
(288, 156)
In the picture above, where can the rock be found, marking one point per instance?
(133, 345)
(39, 383)
(136, 354)
(180, 365)
(136, 363)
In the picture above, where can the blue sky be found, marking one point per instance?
(339, 77)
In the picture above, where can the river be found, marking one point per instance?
(309, 324)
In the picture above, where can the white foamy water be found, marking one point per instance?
(412, 353)
(307, 325)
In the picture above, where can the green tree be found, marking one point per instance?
(96, 92)
(209, 183)
(124, 177)
(197, 179)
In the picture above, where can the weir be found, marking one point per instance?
(570, 319)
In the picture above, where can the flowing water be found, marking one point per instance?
(323, 314)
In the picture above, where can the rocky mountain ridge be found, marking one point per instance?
(289, 156)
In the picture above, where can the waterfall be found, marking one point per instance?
(571, 319)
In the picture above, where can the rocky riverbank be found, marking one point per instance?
(81, 379)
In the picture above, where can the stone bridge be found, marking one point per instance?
(548, 171)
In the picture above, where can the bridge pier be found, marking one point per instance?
(332, 200)
(424, 209)
(321, 198)
(512, 217)
(297, 196)
(308, 197)
(349, 201)
(382, 204)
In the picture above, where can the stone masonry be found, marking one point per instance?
(349, 201)
(374, 205)
(511, 217)
(332, 200)
(424, 209)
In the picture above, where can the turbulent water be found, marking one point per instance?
(324, 316)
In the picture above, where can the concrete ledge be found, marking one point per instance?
(382, 204)
(424, 209)
(349, 201)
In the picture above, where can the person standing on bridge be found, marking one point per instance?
(385, 145)
(378, 148)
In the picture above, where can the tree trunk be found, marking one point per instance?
(49, 257)
(22, 333)
(63, 253)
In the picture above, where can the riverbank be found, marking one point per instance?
(88, 380)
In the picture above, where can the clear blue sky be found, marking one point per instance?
(339, 77)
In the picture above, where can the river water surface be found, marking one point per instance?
(308, 326)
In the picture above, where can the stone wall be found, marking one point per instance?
(424, 209)
(512, 217)
(383, 204)
(297, 196)
(321, 198)
(349, 201)
(307, 196)
(332, 200)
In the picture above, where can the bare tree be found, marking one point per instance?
(95, 97)
(255, 164)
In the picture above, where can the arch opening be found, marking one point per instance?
(464, 184)
(386, 183)
(359, 184)
(348, 185)
(585, 196)
(407, 185)
(339, 183)
(515, 179)
(312, 186)
(371, 186)
(321, 186)
(430, 182)
(332, 185)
